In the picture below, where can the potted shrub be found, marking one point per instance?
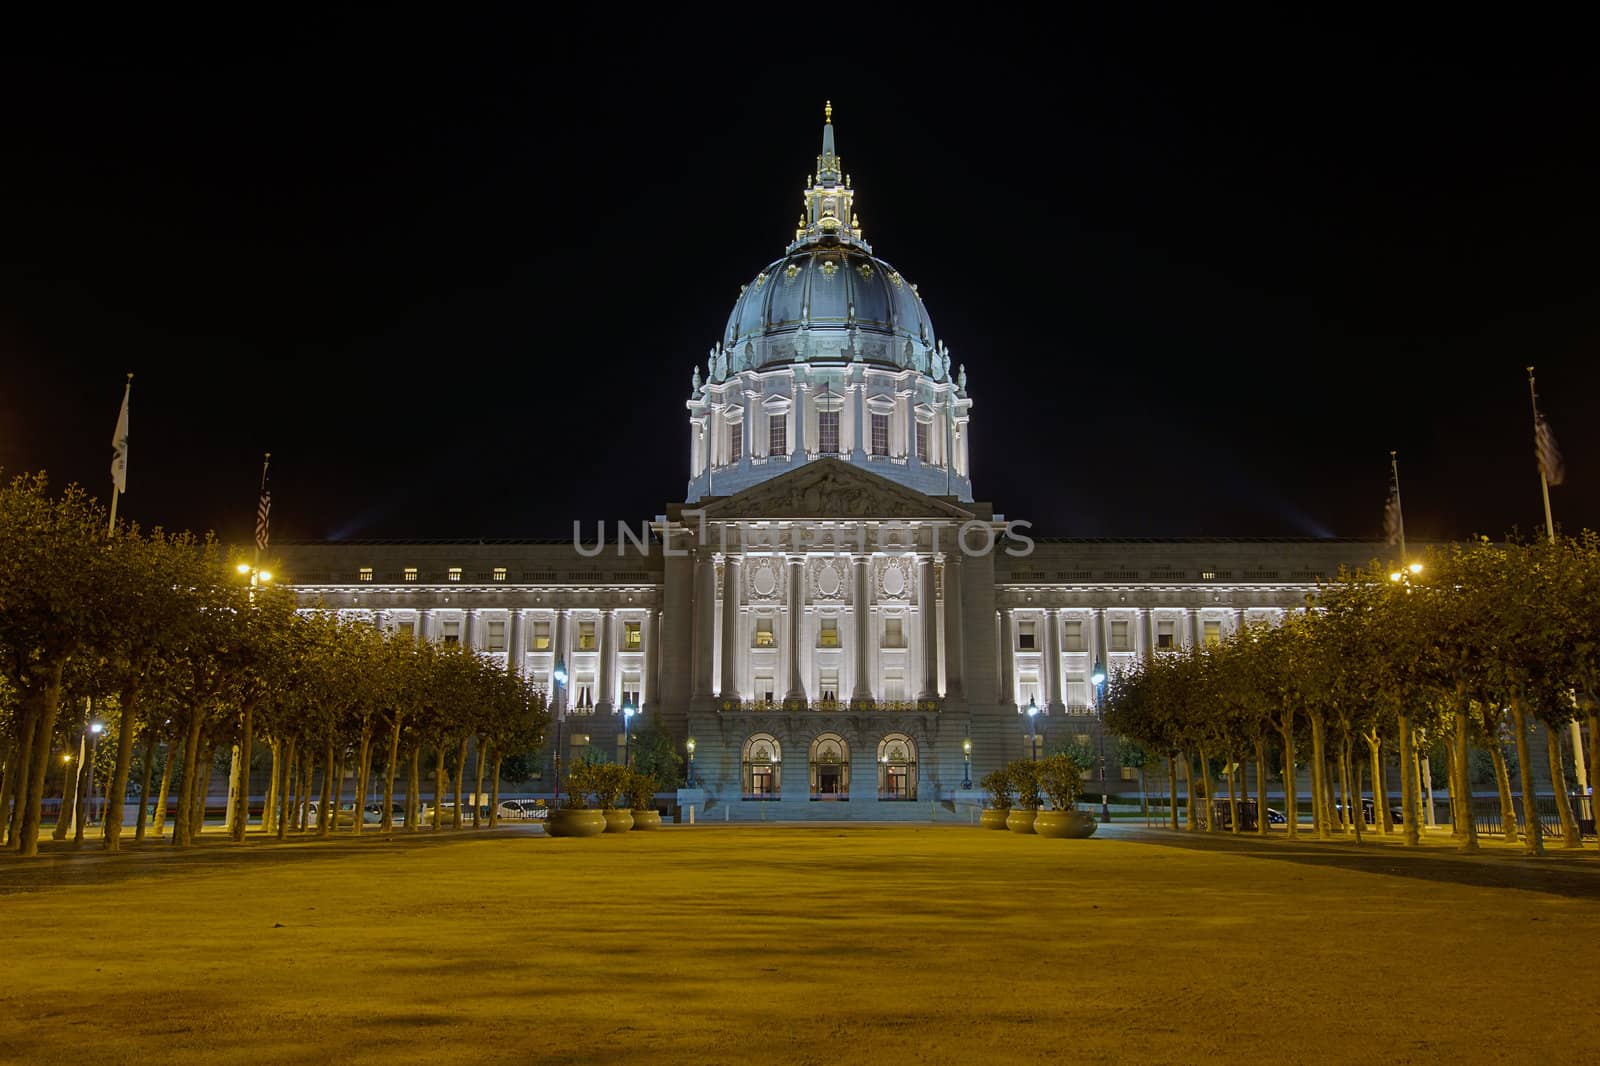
(575, 817)
(998, 784)
(1024, 777)
(642, 798)
(610, 784)
(1061, 780)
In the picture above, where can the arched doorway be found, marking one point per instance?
(830, 768)
(897, 767)
(762, 767)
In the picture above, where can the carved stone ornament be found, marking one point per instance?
(765, 578)
(832, 488)
(896, 578)
(829, 579)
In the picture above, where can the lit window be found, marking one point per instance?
(1213, 633)
(1164, 635)
(828, 432)
(411, 573)
(880, 434)
(365, 574)
(1119, 636)
(496, 637)
(777, 435)
(499, 573)
(764, 638)
(893, 633)
(1073, 636)
(1208, 575)
(631, 639)
(1025, 640)
(586, 636)
(451, 633)
(922, 442)
(455, 573)
(541, 636)
(828, 634)
(735, 441)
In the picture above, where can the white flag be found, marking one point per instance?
(1545, 450)
(119, 446)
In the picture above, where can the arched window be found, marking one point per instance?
(830, 768)
(762, 767)
(897, 767)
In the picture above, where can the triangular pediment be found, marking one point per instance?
(833, 489)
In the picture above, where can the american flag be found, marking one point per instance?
(1393, 525)
(263, 509)
(1544, 446)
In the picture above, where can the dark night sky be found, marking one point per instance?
(1203, 275)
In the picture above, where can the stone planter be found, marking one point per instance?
(1020, 821)
(647, 819)
(618, 821)
(1064, 825)
(993, 818)
(565, 822)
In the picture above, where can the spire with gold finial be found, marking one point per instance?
(829, 199)
(828, 161)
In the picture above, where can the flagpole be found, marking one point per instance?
(1544, 482)
(1399, 509)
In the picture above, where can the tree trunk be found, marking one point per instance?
(145, 770)
(363, 769)
(183, 829)
(438, 785)
(158, 820)
(414, 789)
(494, 802)
(389, 770)
(111, 832)
(477, 795)
(308, 779)
(1469, 825)
(338, 789)
(1261, 786)
(1291, 791)
(277, 784)
(1570, 837)
(1345, 821)
(1533, 832)
(1359, 819)
(81, 802)
(208, 763)
(1594, 764)
(1453, 786)
(70, 775)
(1319, 778)
(1410, 809)
(1502, 780)
(1172, 791)
(1380, 787)
(8, 788)
(239, 820)
(1424, 794)
(21, 774)
(1233, 797)
(461, 777)
(229, 808)
(283, 808)
(46, 704)
(324, 817)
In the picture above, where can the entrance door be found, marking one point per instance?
(828, 782)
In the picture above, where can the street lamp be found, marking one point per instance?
(966, 762)
(689, 744)
(1099, 679)
(1033, 744)
(560, 677)
(95, 729)
(628, 712)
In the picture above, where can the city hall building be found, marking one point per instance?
(832, 615)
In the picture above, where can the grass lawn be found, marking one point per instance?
(796, 944)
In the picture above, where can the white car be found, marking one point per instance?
(523, 809)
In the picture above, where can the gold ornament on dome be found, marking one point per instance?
(895, 277)
(761, 279)
(791, 271)
(865, 270)
(829, 268)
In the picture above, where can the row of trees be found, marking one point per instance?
(1469, 649)
(181, 658)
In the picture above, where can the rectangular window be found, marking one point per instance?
(894, 686)
(631, 639)
(766, 690)
(411, 573)
(455, 573)
(880, 434)
(1213, 633)
(828, 684)
(1025, 640)
(406, 630)
(1077, 691)
(735, 441)
(894, 633)
(496, 637)
(451, 633)
(828, 432)
(1164, 635)
(1028, 689)
(922, 442)
(1119, 636)
(541, 637)
(499, 573)
(764, 638)
(1073, 637)
(777, 435)
(586, 636)
(828, 633)
(364, 574)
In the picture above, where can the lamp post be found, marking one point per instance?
(966, 762)
(689, 744)
(627, 732)
(559, 675)
(1099, 679)
(1033, 744)
(257, 576)
(95, 729)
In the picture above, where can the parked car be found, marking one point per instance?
(1276, 817)
(523, 809)
(343, 819)
(374, 814)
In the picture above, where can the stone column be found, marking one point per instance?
(732, 586)
(705, 607)
(858, 449)
(797, 687)
(607, 649)
(419, 628)
(563, 657)
(953, 642)
(927, 608)
(1008, 684)
(1196, 630)
(469, 630)
(515, 641)
(1101, 646)
(797, 439)
(649, 655)
(1052, 652)
(1238, 624)
(862, 693)
(1149, 616)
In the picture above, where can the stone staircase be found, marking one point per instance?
(717, 810)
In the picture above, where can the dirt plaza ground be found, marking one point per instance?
(810, 944)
